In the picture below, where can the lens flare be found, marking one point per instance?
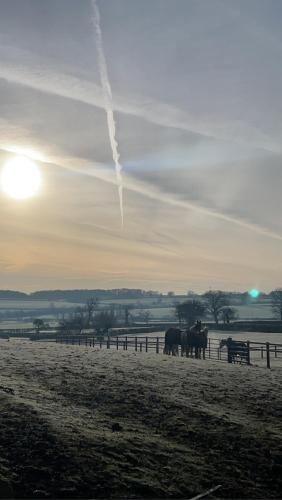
(20, 178)
(254, 293)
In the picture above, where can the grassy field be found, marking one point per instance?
(78, 422)
(158, 310)
(33, 304)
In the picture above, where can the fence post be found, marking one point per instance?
(78, 340)
(146, 344)
(248, 353)
(209, 342)
(108, 343)
(261, 352)
(157, 346)
(267, 355)
(86, 340)
(136, 344)
(140, 346)
(101, 342)
(126, 343)
(275, 351)
(204, 353)
(117, 343)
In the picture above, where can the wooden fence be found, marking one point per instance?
(254, 353)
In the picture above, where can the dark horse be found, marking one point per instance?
(236, 351)
(193, 340)
(172, 341)
(190, 340)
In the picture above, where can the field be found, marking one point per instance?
(20, 313)
(33, 304)
(78, 422)
(274, 338)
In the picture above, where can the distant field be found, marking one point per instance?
(24, 324)
(149, 302)
(274, 338)
(159, 310)
(33, 304)
(254, 311)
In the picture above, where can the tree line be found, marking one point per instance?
(213, 303)
(217, 304)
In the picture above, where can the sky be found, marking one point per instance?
(196, 97)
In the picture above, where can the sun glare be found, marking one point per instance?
(254, 293)
(20, 178)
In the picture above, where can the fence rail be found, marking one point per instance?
(252, 353)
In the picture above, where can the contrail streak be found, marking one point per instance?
(98, 171)
(107, 91)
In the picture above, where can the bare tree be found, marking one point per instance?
(145, 316)
(38, 324)
(90, 308)
(79, 313)
(191, 310)
(103, 321)
(126, 309)
(228, 314)
(75, 321)
(215, 301)
(276, 302)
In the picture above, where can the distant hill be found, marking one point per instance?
(79, 295)
(12, 295)
(82, 295)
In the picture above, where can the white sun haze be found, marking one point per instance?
(20, 178)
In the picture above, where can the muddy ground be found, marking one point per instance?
(78, 422)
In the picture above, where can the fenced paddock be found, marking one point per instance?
(255, 353)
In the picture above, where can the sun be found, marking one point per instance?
(20, 178)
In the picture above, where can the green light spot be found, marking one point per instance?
(254, 293)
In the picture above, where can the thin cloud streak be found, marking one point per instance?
(98, 171)
(48, 80)
(107, 91)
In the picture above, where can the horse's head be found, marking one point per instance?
(222, 343)
(225, 342)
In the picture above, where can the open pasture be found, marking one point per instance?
(32, 304)
(82, 423)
